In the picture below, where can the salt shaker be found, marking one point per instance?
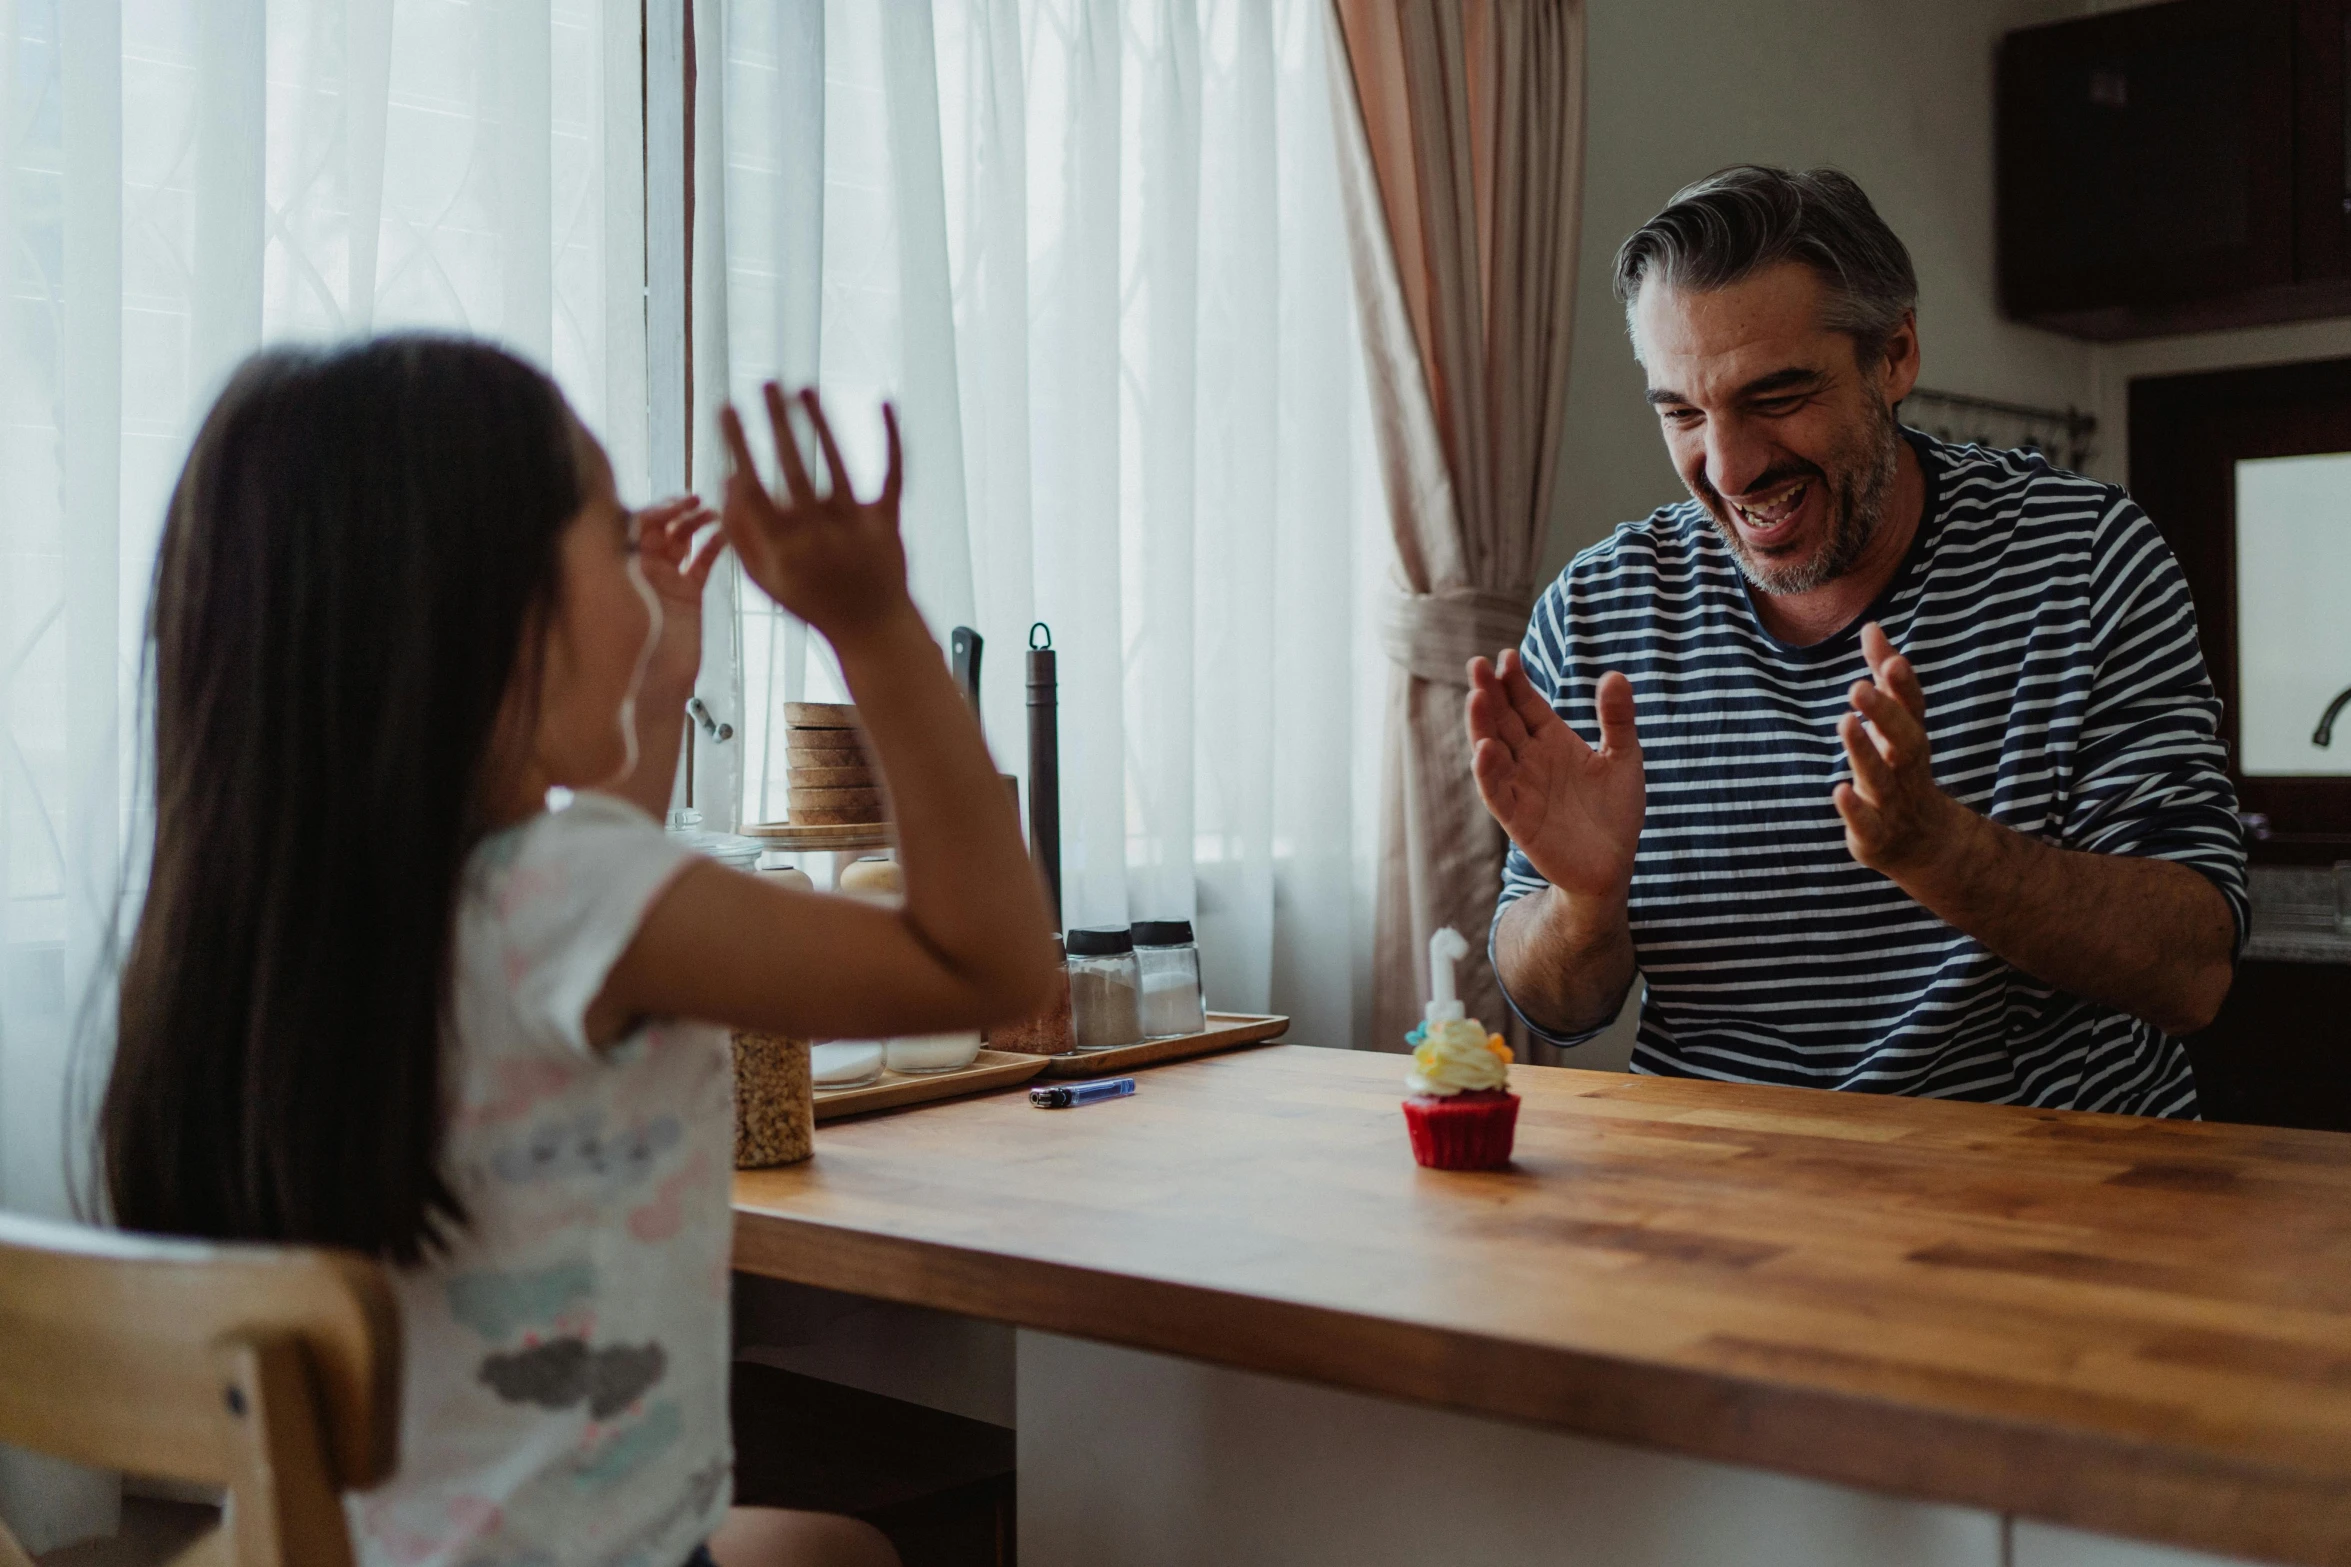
(1169, 962)
(1105, 988)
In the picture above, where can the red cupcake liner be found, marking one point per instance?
(1471, 1131)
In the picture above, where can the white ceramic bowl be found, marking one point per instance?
(845, 1063)
(931, 1052)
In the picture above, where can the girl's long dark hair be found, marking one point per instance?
(359, 543)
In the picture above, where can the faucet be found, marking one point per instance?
(2324, 735)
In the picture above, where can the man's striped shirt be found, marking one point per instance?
(2066, 698)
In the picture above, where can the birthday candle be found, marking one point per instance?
(1446, 948)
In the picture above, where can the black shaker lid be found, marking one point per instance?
(1163, 933)
(1100, 941)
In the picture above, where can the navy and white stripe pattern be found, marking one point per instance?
(2066, 698)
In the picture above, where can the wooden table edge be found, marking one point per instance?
(2076, 1477)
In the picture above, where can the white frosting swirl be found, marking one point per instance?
(1458, 1057)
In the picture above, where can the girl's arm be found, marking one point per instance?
(972, 945)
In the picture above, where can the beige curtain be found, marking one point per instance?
(1462, 134)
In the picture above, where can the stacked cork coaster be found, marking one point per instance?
(830, 781)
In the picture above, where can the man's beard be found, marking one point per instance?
(1856, 504)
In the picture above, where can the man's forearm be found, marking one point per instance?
(1567, 962)
(2148, 936)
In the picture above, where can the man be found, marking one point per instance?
(1890, 764)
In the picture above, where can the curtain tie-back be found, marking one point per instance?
(1435, 635)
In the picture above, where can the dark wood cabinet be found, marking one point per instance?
(2176, 167)
(2279, 1054)
(2322, 143)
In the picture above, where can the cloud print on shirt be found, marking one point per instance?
(579, 1147)
(563, 1372)
(496, 1304)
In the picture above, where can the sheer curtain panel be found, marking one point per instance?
(1095, 250)
(184, 181)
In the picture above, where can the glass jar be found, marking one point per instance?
(1168, 960)
(1105, 989)
(775, 1119)
(729, 849)
(1048, 1032)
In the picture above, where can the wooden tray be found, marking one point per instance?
(848, 835)
(1226, 1031)
(992, 1069)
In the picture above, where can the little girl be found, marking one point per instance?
(382, 997)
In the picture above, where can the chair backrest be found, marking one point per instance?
(271, 1372)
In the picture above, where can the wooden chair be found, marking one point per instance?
(271, 1372)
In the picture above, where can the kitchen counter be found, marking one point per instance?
(2293, 909)
(2135, 1327)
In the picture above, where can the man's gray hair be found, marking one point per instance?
(1733, 224)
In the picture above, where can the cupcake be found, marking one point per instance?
(1460, 1110)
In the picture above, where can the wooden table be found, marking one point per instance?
(2141, 1328)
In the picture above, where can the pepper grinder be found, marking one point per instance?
(1045, 765)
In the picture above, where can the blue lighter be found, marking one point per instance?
(1081, 1093)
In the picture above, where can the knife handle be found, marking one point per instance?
(964, 646)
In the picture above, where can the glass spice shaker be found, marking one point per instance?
(1173, 1002)
(1105, 988)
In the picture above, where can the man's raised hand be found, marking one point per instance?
(1574, 810)
(1897, 820)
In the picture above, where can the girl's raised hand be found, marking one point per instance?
(676, 572)
(673, 567)
(831, 559)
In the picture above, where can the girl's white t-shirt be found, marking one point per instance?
(564, 1393)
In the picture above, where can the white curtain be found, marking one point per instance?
(1094, 249)
(182, 181)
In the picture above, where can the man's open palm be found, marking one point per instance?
(1574, 810)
